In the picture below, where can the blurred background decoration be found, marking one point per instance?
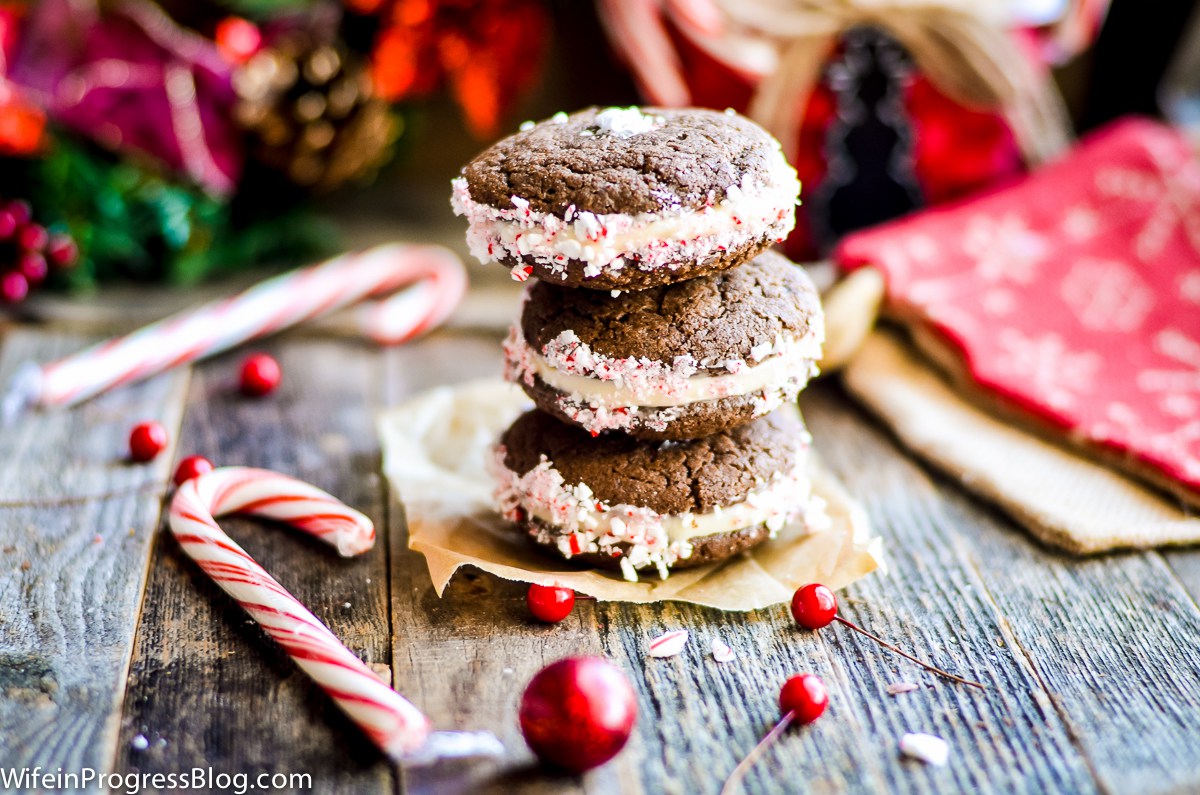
(177, 141)
(189, 139)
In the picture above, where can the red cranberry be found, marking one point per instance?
(550, 603)
(33, 237)
(578, 713)
(804, 696)
(20, 212)
(62, 250)
(8, 224)
(260, 375)
(147, 440)
(13, 287)
(814, 606)
(192, 467)
(33, 267)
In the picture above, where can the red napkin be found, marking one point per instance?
(1073, 295)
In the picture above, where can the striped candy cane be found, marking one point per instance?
(392, 722)
(438, 282)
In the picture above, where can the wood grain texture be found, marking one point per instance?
(465, 658)
(1112, 643)
(207, 687)
(696, 709)
(73, 562)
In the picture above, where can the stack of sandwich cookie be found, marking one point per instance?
(666, 434)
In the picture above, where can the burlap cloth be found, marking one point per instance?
(1064, 499)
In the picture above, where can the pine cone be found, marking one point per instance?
(312, 113)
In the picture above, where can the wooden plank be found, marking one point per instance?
(1113, 640)
(1186, 565)
(695, 709)
(465, 658)
(207, 687)
(76, 527)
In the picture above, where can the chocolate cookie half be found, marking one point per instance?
(628, 198)
(618, 502)
(674, 362)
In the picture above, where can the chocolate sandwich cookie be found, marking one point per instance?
(619, 502)
(674, 362)
(628, 198)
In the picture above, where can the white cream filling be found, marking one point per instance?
(794, 360)
(602, 240)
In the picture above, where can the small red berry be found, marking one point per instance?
(550, 603)
(192, 467)
(62, 250)
(13, 287)
(147, 440)
(33, 267)
(578, 713)
(8, 224)
(814, 606)
(237, 39)
(260, 375)
(804, 697)
(33, 237)
(20, 211)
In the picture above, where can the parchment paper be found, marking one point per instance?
(434, 448)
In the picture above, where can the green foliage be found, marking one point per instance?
(133, 222)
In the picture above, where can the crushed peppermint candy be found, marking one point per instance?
(670, 644)
(721, 651)
(139, 742)
(927, 748)
(626, 122)
(896, 688)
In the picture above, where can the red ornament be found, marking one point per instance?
(260, 375)
(147, 440)
(804, 698)
(550, 603)
(192, 467)
(814, 606)
(578, 713)
(13, 287)
(485, 51)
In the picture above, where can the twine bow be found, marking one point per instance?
(962, 46)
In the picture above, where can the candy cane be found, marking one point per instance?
(270, 306)
(392, 722)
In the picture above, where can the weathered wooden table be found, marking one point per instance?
(116, 653)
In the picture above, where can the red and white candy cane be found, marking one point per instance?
(438, 281)
(392, 722)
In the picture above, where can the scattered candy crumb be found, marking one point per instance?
(926, 747)
(670, 644)
(346, 605)
(139, 742)
(896, 688)
(721, 651)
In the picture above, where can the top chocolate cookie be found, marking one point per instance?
(628, 198)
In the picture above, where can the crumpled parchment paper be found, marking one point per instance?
(434, 449)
